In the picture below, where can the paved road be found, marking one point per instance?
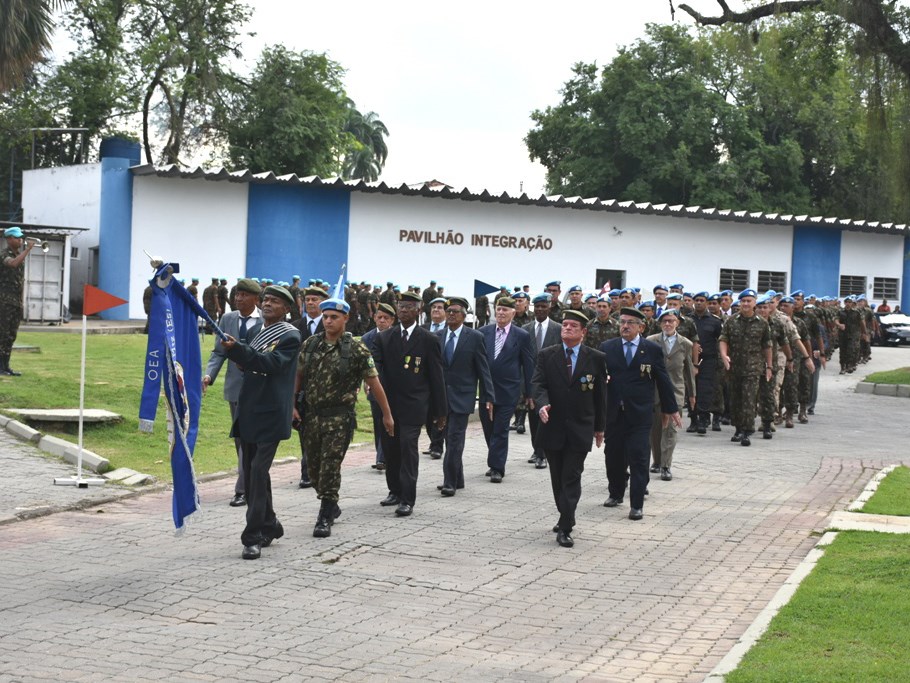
(470, 588)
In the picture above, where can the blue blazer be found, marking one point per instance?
(630, 388)
(513, 369)
(469, 366)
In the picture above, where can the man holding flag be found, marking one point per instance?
(264, 411)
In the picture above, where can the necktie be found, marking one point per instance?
(569, 363)
(450, 348)
(404, 336)
(500, 339)
(539, 336)
(629, 353)
(243, 323)
(312, 327)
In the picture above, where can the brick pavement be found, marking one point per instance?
(470, 588)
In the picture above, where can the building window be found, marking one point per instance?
(731, 278)
(885, 288)
(772, 279)
(852, 284)
(74, 253)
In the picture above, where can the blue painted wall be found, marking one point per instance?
(905, 281)
(115, 230)
(816, 260)
(297, 231)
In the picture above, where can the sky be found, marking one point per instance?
(456, 83)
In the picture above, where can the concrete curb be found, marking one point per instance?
(899, 390)
(55, 446)
(846, 521)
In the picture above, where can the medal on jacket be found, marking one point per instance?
(646, 371)
(407, 362)
(416, 364)
(587, 382)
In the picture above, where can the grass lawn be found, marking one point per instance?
(113, 381)
(899, 376)
(849, 619)
(892, 497)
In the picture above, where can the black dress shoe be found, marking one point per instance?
(380, 466)
(612, 502)
(404, 510)
(10, 372)
(447, 491)
(436, 455)
(520, 429)
(555, 528)
(390, 500)
(496, 477)
(737, 436)
(715, 425)
(305, 483)
(427, 452)
(564, 539)
(541, 464)
(745, 441)
(654, 469)
(489, 472)
(532, 460)
(239, 500)
(635, 514)
(666, 474)
(251, 552)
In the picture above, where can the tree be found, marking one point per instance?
(25, 35)
(289, 117)
(884, 23)
(368, 152)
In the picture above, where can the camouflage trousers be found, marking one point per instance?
(721, 398)
(10, 317)
(766, 403)
(805, 385)
(849, 351)
(326, 441)
(743, 401)
(790, 394)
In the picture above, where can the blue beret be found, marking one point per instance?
(439, 300)
(797, 292)
(627, 290)
(860, 297)
(396, 288)
(765, 299)
(688, 294)
(656, 287)
(295, 277)
(254, 279)
(311, 281)
(714, 297)
(788, 300)
(677, 286)
(339, 305)
(747, 292)
(675, 296)
(649, 304)
(554, 283)
(575, 288)
(521, 295)
(614, 292)
(726, 292)
(704, 295)
(637, 290)
(668, 311)
(15, 231)
(542, 298)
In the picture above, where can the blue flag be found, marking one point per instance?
(173, 360)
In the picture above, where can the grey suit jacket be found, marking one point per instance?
(552, 333)
(233, 378)
(679, 366)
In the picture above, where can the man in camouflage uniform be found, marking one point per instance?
(720, 404)
(797, 387)
(330, 368)
(211, 303)
(481, 311)
(12, 281)
(576, 304)
(852, 328)
(223, 292)
(194, 288)
(294, 290)
(523, 314)
(809, 313)
(865, 342)
(745, 349)
(554, 289)
(363, 306)
(709, 327)
(781, 354)
(602, 327)
(650, 325)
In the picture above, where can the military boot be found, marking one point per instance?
(788, 422)
(737, 436)
(692, 428)
(715, 423)
(746, 441)
(766, 430)
(702, 424)
(520, 422)
(323, 528)
(803, 418)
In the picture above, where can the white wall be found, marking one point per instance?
(197, 223)
(650, 249)
(70, 197)
(872, 255)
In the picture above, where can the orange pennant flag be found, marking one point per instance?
(95, 300)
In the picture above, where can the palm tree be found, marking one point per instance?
(25, 34)
(368, 152)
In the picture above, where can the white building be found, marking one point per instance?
(221, 224)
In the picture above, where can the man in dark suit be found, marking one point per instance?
(309, 324)
(544, 332)
(464, 356)
(569, 386)
(635, 367)
(243, 323)
(264, 411)
(409, 361)
(510, 353)
(436, 323)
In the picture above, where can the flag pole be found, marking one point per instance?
(77, 480)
